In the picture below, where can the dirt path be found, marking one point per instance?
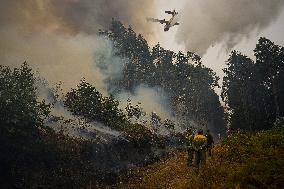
(172, 172)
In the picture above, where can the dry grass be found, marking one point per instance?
(171, 172)
(243, 161)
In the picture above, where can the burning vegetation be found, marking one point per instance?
(87, 138)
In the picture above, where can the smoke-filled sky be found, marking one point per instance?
(74, 16)
(206, 23)
(59, 37)
(214, 27)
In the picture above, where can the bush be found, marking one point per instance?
(253, 160)
(20, 111)
(86, 101)
(31, 155)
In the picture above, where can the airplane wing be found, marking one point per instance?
(157, 20)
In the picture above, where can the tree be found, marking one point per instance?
(252, 90)
(134, 48)
(20, 110)
(89, 103)
(189, 85)
(270, 64)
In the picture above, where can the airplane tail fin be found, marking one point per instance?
(169, 12)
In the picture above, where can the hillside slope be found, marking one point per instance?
(241, 161)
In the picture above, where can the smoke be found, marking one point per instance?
(107, 65)
(58, 38)
(56, 57)
(61, 120)
(83, 15)
(205, 23)
(151, 99)
(74, 16)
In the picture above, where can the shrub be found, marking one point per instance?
(86, 101)
(252, 160)
(19, 108)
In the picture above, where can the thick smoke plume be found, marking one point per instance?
(205, 23)
(58, 38)
(56, 57)
(74, 16)
(151, 99)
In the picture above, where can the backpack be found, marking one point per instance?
(199, 142)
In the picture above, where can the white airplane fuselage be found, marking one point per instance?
(171, 22)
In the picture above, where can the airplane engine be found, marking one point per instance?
(166, 28)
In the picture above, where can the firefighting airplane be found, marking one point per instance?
(170, 23)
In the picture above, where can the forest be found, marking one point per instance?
(33, 154)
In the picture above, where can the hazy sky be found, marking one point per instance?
(216, 55)
(59, 39)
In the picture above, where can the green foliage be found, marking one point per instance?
(189, 84)
(20, 111)
(49, 159)
(32, 156)
(252, 90)
(169, 124)
(133, 47)
(134, 111)
(242, 161)
(86, 101)
(247, 161)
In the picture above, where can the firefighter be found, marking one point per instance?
(210, 142)
(199, 144)
(189, 139)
